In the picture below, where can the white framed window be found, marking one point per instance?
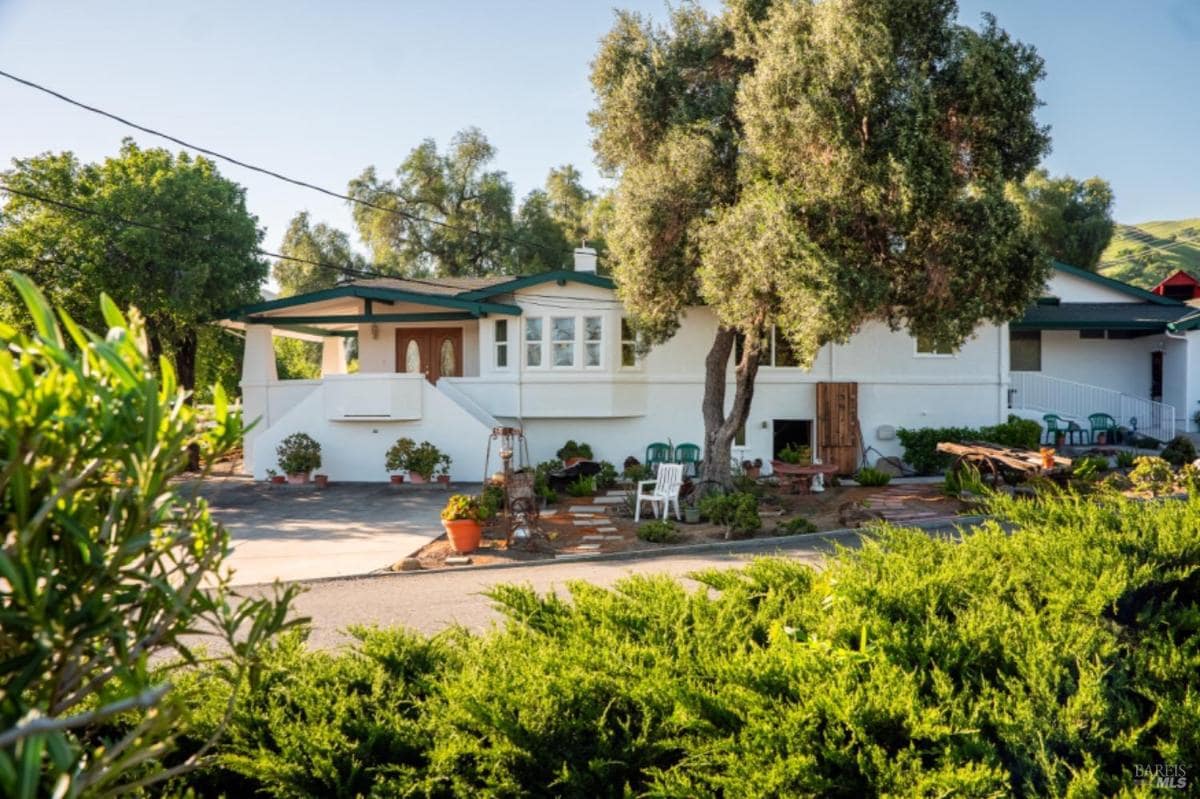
(562, 341)
(501, 329)
(925, 347)
(533, 342)
(593, 336)
(629, 356)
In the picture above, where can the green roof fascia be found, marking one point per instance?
(1116, 285)
(1089, 325)
(560, 276)
(373, 293)
(1185, 323)
(354, 319)
(317, 331)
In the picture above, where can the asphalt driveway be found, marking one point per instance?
(304, 533)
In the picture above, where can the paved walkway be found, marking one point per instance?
(303, 533)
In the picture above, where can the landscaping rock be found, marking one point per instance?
(406, 565)
(889, 466)
(459, 560)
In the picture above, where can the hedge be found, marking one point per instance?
(1047, 662)
(920, 444)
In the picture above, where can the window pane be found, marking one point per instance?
(562, 328)
(533, 354)
(533, 328)
(628, 354)
(927, 346)
(501, 330)
(449, 361)
(412, 357)
(501, 355)
(626, 329)
(783, 351)
(592, 328)
(592, 353)
(564, 354)
(1025, 350)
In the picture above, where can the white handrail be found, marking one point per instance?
(1037, 392)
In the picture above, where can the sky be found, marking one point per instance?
(320, 90)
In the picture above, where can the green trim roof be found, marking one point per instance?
(560, 277)
(1102, 316)
(1115, 285)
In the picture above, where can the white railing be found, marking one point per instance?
(1037, 392)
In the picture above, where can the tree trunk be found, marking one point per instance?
(185, 372)
(719, 429)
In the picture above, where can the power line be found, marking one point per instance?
(343, 270)
(1155, 248)
(269, 172)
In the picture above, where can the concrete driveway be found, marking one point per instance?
(304, 533)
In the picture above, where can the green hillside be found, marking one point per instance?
(1145, 253)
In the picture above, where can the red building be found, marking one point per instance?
(1179, 286)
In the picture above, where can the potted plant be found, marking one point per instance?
(419, 460)
(275, 477)
(298, 455)
(461, 518)
(572, 453)
(752, 469)
(691, 511)
(397, 458)
(443, 468)
(321, 480)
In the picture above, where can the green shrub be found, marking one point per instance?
(574, 450)
(965, 478)
(1048, 653)
(582, 486)
(541, 476)
(736, 512)
(1153, 475)
(1125, 458)
(868, 476)
(606, 478)
(1089, 467)
(796, 526)
(422, 459)
(920, 445)
(461, 507)
(105, 565)
(796, 454)
(298, 454)
(1178, 451)
(492, 499)
(658, 531)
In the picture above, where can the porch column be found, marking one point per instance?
(333, 356)
(258, 373)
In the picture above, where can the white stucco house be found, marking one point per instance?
(449, 359)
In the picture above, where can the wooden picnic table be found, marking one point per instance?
(797, 478)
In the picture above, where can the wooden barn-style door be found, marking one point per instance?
(837, 425)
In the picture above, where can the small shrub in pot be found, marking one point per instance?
(298, 455)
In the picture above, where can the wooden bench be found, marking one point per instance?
(797, 478)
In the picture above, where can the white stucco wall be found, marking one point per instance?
(1072, 288)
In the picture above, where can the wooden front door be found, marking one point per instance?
(434, 351)
(837, 425)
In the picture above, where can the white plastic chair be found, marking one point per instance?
(665, 491)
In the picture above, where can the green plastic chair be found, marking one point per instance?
(657, 453)
(689, 456)
(1053, 420)
(1102, 423)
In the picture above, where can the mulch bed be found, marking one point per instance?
(836, 508)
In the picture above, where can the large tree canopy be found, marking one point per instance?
(814, 166)
(309, 243)
(1071, 218)
(196, 260)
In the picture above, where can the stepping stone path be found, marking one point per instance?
(609, 500)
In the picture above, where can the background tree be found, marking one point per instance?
(814, 166)
(453, 215)
(544, 245)
(199, 260)
(1072, 219)
(321, 243)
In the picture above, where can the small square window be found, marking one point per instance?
(628, 344)
(593, 334)
(927, 346)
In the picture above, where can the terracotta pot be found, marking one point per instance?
(416, 479)
(278, 479)
(1102, 438)
(443, 478)
(1060, 439)
(321, 480)
(569, 462)
(464, 534)
(753, 472)
(397, 479)
(298, 479)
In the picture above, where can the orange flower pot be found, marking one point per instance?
(464, 534)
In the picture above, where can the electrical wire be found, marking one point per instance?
(343, 270)
(270, 172)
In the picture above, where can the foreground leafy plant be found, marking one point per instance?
(658, 531)
(105, 565)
